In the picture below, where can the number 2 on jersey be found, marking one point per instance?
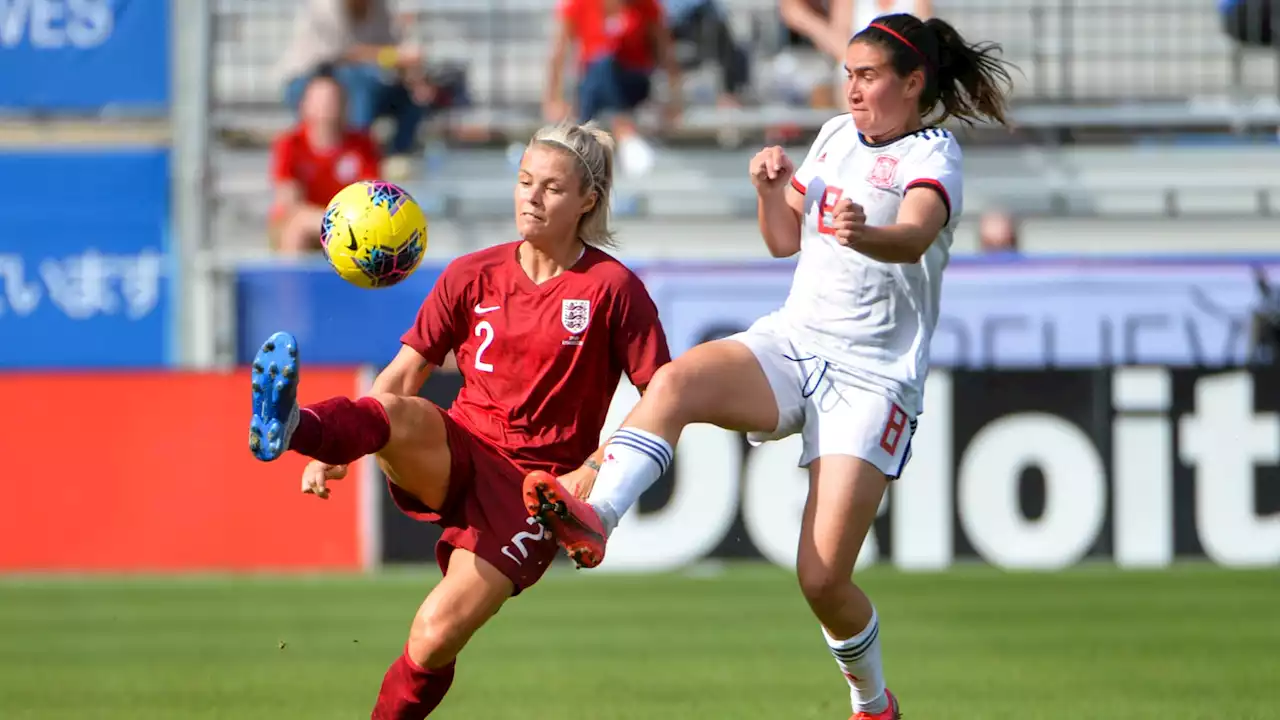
(485, 330)
(830, 198)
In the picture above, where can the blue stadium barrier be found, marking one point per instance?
(336, 323)
(1067, 312)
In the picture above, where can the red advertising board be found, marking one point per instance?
(152, 472)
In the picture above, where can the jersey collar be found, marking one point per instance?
(866, 141)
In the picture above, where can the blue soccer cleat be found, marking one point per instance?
(275, 397)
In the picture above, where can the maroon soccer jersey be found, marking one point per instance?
(539, 363)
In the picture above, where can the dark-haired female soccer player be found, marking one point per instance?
(871, 213)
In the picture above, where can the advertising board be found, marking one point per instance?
(1023, 315)
(84, 259)
(152, 472)
(77, 56)
(1028, 470)
(1027, 314)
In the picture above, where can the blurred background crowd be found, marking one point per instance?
(1141, 126)
(431, 93)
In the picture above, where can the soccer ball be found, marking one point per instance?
(374, 234)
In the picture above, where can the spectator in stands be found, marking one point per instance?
(800, 68)
(619, 45)
(829, 24)
(313, 161)
(382, 76)
(702, 33)
(1250, 22)
(998, 233)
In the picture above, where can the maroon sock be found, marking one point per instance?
(341, 430)
(410, 691)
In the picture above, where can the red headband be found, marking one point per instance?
(902, 40)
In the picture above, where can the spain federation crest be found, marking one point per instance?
(575, 314)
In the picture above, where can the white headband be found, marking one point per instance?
(595, 184)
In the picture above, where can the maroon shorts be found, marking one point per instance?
(484, 511)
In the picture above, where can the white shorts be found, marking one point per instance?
(833, 416)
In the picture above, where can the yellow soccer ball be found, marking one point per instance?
(374, 234)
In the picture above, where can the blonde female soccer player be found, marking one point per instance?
(871, 213)
(533, 324)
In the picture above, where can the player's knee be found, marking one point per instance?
(404, 414)
(822, 586)
(672, 387)
(435, 642)
(394, 405)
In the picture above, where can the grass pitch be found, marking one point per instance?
(972, 644)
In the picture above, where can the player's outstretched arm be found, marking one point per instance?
(405, 375)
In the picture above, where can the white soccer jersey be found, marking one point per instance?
(871, 321)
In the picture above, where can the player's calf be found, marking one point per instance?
(851, 628)
(410, 691)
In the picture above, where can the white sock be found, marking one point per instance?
(633, 460)
(859, 660)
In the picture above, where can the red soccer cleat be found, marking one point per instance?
(575, 524)
(890, 713)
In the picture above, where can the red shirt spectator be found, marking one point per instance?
(623, 33)
(311, 162)
(320, 174)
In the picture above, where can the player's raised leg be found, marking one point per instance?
(406, 432)
(720, 382)
(335, 431)
(471, 592)
(844, 494)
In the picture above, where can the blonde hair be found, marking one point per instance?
(592, 146)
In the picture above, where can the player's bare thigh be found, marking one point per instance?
(719, 382)
(416, 458)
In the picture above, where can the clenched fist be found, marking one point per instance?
(771, 170)
(849, 221)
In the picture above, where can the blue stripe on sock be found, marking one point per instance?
(659, 447)
(647, 451)
(629, 442)
(854, 654)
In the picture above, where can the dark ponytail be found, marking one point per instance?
(969, 82)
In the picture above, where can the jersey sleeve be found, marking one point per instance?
(434, 332)
(370, 159)
(282, 160)
(939, 168)
(808, 169)
(567, 12)
(651, 11)
(636, 334)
